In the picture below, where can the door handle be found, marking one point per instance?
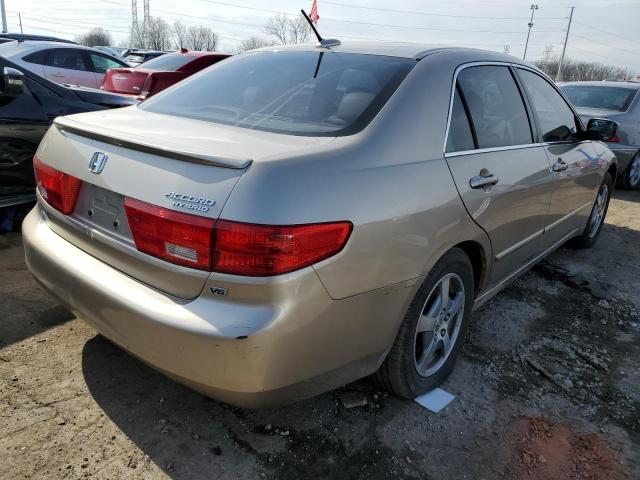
(483, 180)
(560, 166)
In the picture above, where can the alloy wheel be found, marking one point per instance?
(439, 324)
(634, 171)
(599, 210)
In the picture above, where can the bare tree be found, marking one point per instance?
(96, 36)
(286, 30)
(579, 70)
(201, 38)
(157, 34)
(252, 43)
(180, 34)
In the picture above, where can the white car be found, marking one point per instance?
(63, 63)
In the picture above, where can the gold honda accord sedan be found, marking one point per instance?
(296, 218)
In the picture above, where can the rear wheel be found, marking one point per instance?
(630, 178)
(432, 332)
(592, 231)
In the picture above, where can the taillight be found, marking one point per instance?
(264, 250)
(58, 189)
(176, 237)
(147, 87)
(231, 247)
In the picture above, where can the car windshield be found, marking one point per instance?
(600, 97)
(167, 63)
(294, 93)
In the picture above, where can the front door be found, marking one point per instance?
(502, 175)
(575, 165)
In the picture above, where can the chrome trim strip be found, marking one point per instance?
(193, 157)
(566, 217)
(521, 243)
(492, 149)
(483, 298)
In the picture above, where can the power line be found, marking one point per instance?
(608, 33)
(413, 12)
(600, 42)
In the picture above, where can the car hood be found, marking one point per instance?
(197, 140)
(100, 97)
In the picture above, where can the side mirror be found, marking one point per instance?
(12, 82)
(601, 129)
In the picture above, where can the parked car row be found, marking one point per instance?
(296, 218)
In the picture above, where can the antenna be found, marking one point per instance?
(325, 43)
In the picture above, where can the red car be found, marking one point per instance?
(159, 73)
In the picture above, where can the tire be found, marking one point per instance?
(594, 225)
(630, 178)
(406, 371)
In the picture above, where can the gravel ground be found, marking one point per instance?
(548, 386)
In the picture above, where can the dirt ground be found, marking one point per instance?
(548, 387)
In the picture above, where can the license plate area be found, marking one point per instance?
(103, 210)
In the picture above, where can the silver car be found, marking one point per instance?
(296, 218)
(62, 63)
(619, 103)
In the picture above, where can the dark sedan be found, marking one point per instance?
(28, 105)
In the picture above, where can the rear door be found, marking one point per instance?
(502, 175)
(575, 164)
(69, 65)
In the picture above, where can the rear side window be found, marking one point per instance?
(555, 118)
(460, 137)
(290, 92)
(36, 57)
(66, 58)
(496, 106)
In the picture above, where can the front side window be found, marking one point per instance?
(602, 98)
(101, 63)
(555, 118)
(495, 105)
(66, 58)
(293, 93)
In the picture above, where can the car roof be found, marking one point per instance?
(391, 49)
(13, 49)
(605, 83)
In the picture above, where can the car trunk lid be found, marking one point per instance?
(125, 80)
(185, 165)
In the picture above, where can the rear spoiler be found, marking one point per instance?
(68, 126)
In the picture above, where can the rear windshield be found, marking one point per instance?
(167, 63)
(294, 93)
(604, 98)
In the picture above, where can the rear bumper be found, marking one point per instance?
(289, 342)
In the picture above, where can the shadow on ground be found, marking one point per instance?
(26, 308)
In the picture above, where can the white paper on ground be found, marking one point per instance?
(435, 400)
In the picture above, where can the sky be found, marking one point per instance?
(601, 31)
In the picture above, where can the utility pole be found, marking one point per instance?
(4, 17)
(533, 7)
(20, 20)
(564, 47)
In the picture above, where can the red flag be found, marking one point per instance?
(314, 12)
